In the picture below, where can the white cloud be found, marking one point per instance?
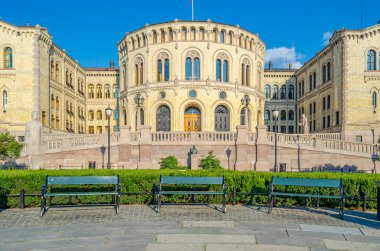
(283, 56)
(325, 37)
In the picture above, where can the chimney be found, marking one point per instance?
(112, 64)
(290, 66)
(270, 65)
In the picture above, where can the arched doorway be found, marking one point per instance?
(192, 119)
(222, 119)
(163, 118)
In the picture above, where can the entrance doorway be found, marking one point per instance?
(192, 119)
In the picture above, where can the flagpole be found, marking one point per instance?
(192, 10)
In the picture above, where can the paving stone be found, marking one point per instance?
(330, 229)
(315, 235)
(208, 224)
(350, 245)
(268, 239)
(241, 230)
(269, 226)
(359, 238)
(245, 247)
(175, 247)
(370, 231)
(205, 238)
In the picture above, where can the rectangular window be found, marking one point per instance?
(328, 102)
(324, 104)
(291, 129)
(283, 129)
(315, 80)
(328, 121)
(314, 125)
(303, 110)
(337, 118)
(274, 128)
(310, 109)
(314, 107)
(91, 130)
(310, 125)
(268, 128)
(324, 122)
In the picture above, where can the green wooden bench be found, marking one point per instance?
(62, 181)
(195, 181)
(318, 183)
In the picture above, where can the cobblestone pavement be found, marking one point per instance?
(187, 227)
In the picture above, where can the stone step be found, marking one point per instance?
(208, 224)
(205, 238)
(330, 229)
(351, 246)
(220, 247)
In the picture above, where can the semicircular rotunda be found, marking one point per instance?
(191, 76)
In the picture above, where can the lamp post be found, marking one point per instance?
(374, 155)
(139, 100)
(108, 114)
(275, 116)
(245, 102)
(103, 151)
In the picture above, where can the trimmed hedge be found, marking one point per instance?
(12, 181)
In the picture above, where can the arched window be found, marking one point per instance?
(144, 39)
(139, 71)
(291, 115)
(291, 92)
(163, 118)
(222, 119)
(57, 103)
(99, 115)
(99, 91)
(324, 73)
(163, 67)
(138, 42)
(67, 77)
(310, 82)
(184, 34)
(225, 71)
(267, 115)
(8, 58)
(5, 99)
(267, 91)
(275, 92)
(374, 100)
(52, 72)
(91, 115)
(192, 67)
(328, 71)
(171, 35)
(222, 67)
(231, 37)
(192, 33)
(214, 36)
(241, 40)
(222, 36)
(133, 43)
(245, 72)
(154, 37)
(91, 91)
(246, 41)
(283, 115)
(218, 70)
(283, 92)
(202, 34)
(371, 60)
(107, 91)
(52, 102)
(57, 72)
(162, 36)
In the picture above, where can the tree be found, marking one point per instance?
(10, 149)
(210, 162)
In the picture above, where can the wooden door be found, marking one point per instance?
(192, 123)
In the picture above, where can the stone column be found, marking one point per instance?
(145, 148)
(242, 149)
(262, 147)
(125, 145)
(34, 145)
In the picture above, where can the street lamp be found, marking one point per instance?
(103, 151)
(245, 102)
(108, 114)
(275, 116)
(139, 100)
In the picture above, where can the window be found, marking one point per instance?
(154, 37)
(52, 102)
(99, 115)
(374, 100)
(192, 33)
(310, 109)
(99, 129)
(99, 91)
(283, 129)
(125, 116)
(214, 35)
(324, 73)
(328, 71)
(371, 60)
(115, 91)
(328, 102)
(222, 68)
(359, 139)
(310, 82)
(314, 80)
(184, 34)
(8, 58)
(139, 71)
(163, 118)
(291, 129)
(245, 72)
(324, 122)
(324, 103)
(267, 91)
(218, 70)
(138, 41)
(283, 115)
(291, 115)
(225, 71)
(171, 34)
(283, 92)
(107, 91)
(57, 103)
(52, 72)
(162, 36)
(231, 37)
(57, 72)
(328, 121)
(267, 115)
(91, 91)
(291, 92)
(222, 119)
(275, 91)
(222, 36)
(336, 118)
(202, 34)
(192, 67)
(314, 107)
(5, 99)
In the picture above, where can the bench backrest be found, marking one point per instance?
(188, 180)
(82, 180)
(307, 182)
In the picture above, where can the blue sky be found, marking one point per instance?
(292, 30)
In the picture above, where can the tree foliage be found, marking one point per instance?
(10, 149)
(210, 162)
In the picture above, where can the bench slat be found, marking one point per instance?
(307, 195)
(82, 180)
(80, 194)
(306, 182)
(191, 192)
(187, 180)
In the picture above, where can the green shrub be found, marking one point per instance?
(210, 162)
(244, 183)
(170, 162)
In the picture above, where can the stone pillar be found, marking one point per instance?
(145, 148)
(125, 145)
(242, 149)
(194, 161)
(262, 147)
(34, 144)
